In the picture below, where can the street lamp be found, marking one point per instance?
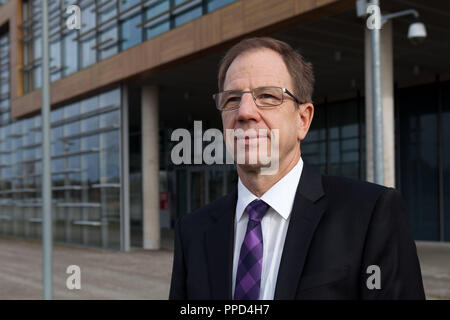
(416, 34)
(416, 31)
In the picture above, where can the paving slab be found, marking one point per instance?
(142, 274)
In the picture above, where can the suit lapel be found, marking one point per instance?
(219, 248)
(309, 206)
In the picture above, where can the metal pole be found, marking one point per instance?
(125, 176)
(377, 107)
(47, 268)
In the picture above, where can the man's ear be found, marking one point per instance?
(305, 116)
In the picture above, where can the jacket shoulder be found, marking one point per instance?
(355, 191)
(345, 184)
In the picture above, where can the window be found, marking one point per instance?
(70, 55)
(419, 159)
(85, 162)
(188, 16)
(108, 27)
(334, 141)
(159, 19)
(55, 61)
(131, 34)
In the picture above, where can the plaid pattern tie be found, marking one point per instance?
(248, 276)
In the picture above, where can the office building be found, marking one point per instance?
(137, 70)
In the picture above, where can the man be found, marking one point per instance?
(293, 234)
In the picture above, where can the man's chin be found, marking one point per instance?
(252, 167)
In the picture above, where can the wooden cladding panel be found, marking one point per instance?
(259, 14)
(177, 43)
(208, 30)
(232, 21)
(304, 5)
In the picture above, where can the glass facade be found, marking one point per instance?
(445, 153)
(190, 187)
(108, 27)
(4, 79)
(336, 145)
(424, 158)
(335, 142)
(85, 135)
(195, 186)
(86, 179)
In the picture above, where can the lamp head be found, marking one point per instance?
(417, 32)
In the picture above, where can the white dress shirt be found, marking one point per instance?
(274, 225)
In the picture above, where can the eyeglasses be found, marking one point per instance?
(264, 97)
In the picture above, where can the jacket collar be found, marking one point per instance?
(309, 205)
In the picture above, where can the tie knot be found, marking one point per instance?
(257, 209)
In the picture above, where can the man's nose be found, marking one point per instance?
(248, 110)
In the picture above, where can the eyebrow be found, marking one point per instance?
(254, 87)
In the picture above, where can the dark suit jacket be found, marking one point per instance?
(338, 228)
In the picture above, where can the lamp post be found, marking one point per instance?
(416, 34)
(377, 106)
(47, 232)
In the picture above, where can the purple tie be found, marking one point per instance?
(248, 276)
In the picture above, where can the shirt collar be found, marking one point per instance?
(279, 197)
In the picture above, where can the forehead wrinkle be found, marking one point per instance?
(244, 80)
(250, 70)
(248, 83)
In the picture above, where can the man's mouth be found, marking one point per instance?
(251, 138)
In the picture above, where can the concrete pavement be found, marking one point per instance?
(138, 274)
(142, 274)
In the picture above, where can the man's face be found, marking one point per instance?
(260, 68)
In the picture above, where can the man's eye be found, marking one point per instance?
(233, 99)
(266, 96)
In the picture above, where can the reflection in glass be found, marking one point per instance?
(187, 16)
(55, 60)
(126, 4)
(110, 119)
(110, 98)
(37, 71)
(85, 168)
(70, 53)
(131, 34)
(108, 41)
(88, 52)
(90, 104)
(159, 26)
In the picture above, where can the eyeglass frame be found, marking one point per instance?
(284, 90)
